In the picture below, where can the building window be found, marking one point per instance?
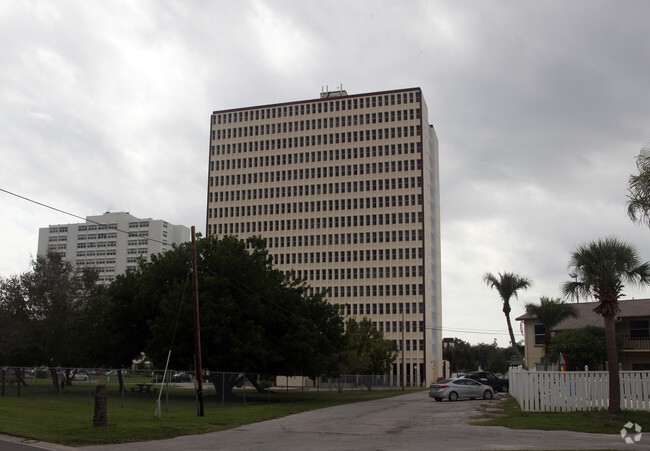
(639, 329)
(540, 331)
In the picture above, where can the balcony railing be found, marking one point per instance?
(633, 343)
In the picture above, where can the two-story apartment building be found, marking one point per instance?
(632, 330)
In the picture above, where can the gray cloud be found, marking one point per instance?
(540, 108)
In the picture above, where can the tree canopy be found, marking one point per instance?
(366, 349)
(253, 318)
(550, 312)
(638, 198)
(44, 313)
(580, 347)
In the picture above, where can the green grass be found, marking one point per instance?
(43, 414)
(590, 421)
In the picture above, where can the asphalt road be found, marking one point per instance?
(407, 422)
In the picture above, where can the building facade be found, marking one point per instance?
(111, 243)
(345, 190)
(632, 333)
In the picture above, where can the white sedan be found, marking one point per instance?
(454, 389)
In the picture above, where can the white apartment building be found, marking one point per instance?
(345, 190)
(111, 243)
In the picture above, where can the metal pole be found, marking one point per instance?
(197, 330)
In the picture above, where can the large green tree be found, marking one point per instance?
(508, 285)
(366, 349)
(580, 347)
(601, 268)
(44, 314)
(550, 312)
(253, 317)
(638, 197)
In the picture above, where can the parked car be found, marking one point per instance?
(491, 379)
(80, 377)
(181, 377)
(460, 387)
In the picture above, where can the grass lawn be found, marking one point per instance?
(67, 418)
(594, 421)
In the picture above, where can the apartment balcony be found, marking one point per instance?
(634, 343)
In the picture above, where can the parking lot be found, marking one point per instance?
(407, 422)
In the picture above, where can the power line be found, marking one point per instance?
(77, 216)
(468, 331)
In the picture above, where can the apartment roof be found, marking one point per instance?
(633, 308)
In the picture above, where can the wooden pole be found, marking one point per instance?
(197, 329)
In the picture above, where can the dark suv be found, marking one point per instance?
(491, 379)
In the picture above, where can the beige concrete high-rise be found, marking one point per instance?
(345, 190)
(110, 243)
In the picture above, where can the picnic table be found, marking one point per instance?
(143, 388)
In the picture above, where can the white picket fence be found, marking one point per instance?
(557, 391)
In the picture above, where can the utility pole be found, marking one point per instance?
(197, 329)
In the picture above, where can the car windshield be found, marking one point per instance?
(446, 381)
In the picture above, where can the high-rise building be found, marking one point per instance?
(111, 243)
(345, 190)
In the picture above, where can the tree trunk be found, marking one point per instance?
(612, 365)
(100, 417)
(55, 379)
(120, 378)
(253, 380)
(512, 338)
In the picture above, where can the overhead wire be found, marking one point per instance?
(468, 331)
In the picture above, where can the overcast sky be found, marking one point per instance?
(540, 109)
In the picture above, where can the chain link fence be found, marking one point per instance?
(177, 389)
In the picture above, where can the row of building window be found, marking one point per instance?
(355, 291)
(326, 139)
(375, 272)
(412, 217)
(317, 124)
(317, 107)
(322, 223)
(317, 156)
(335, 239)
(395, 308)
(94, 253)
(321, 171)
(411, 345)
(136, 224)
(298, 258)
(91, 227)
(315, 189)
(97, 244)
(314, 206)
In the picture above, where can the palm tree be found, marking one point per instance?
(601, 267)
(638, 199)
(507, 285)
(550, 312)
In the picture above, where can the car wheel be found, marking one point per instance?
(438, 398)
(453, 396)
(487, 394)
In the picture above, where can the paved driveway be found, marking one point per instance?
(407, 422)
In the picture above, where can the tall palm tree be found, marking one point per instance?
(638, 198)
(550, 312)
(601, 267)
(507, 285)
